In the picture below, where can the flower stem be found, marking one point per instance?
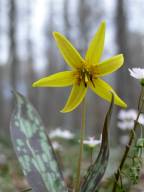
(82, 131)
(91, 151)
(140, 97)
(128, 146)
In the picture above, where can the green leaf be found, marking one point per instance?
(33, 148)
(97, 170)
(140, 143)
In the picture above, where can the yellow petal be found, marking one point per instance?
(108, 66)
(61, 79)
(77, 94)
(104, 90)
(69, 53)
(96, 46)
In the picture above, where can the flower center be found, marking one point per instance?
(85, 75)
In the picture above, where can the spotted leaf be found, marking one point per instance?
(33, 148)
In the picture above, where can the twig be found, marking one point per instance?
(117, 174)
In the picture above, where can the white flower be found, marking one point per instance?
(56, 146)
(125, 125)
(92, 142)
(137, 73)
(65, 134)
(141, 119)
(130, 114)
(127, 118)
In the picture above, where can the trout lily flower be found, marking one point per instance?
(85, 72)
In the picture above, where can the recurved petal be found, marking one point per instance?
(102, 89)
(77, 94)
(108, 66)
(61, 79)
(96, 46)
(69, 53)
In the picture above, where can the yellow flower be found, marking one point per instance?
(84, 72)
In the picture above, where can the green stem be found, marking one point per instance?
(141, 131)
(91, 151)
(140, 97)
(82, 130)
(117, 175)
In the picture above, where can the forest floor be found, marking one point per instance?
(12, 179)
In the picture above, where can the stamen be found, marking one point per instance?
(86, 78)
(85, 75)
(93, 83)
(85, 84)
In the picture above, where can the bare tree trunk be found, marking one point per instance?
(13, 61)
(1, 81)
(2, 110)
(66, 18)
(30, 76)
(49, 98)
(124, 81)
(83, 14)
(12, 69)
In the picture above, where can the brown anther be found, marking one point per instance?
(85, 84)
(92, 82)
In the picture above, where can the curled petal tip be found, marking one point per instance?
(125, 105)
(34, 84)
(122, 56)
(55, 34)
(103, 22)
(62, 111)
(121, 102)
(65, 111)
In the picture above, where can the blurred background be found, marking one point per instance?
(28, 52)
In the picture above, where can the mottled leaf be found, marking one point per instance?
(33, 148)
(97, 170)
